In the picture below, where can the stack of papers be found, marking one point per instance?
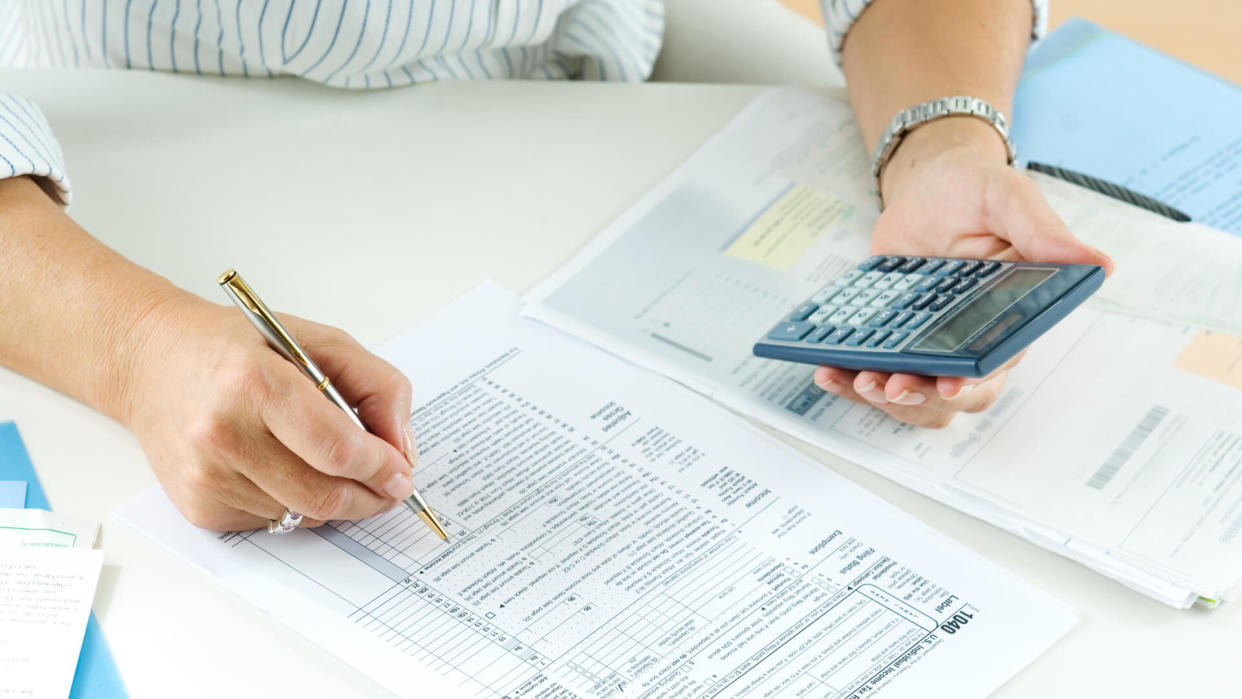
(1177, 272)
(612, 534)
(50, 643)
(1116, 442)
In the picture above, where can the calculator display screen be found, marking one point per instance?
(983, 308)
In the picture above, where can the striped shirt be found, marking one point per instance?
(353, 44)
(840, 15)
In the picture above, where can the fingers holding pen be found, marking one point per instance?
(322, 436)
(378, 389)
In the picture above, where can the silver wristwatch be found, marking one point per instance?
(909, 119)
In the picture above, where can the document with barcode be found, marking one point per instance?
(1117, 441)
(612, 534)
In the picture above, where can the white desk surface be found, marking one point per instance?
(369, 211)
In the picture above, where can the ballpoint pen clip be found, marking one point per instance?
(270, 327)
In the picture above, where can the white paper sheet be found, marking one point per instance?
(29, 528)
(1113, 443)
(45, 601)
(1181, 272)
(612, 534)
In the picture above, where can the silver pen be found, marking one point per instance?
(280, 340)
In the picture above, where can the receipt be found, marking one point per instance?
(48, 574)
(43, 529)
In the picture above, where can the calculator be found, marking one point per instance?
(933, 316)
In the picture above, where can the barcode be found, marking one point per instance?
(1129, 445)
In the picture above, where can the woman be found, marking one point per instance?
(234, 433)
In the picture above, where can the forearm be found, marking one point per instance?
(903, 52)
(72, 311)
(900, 53)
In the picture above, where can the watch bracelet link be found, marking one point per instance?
(932, 110)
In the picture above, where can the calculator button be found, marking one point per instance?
(939, 303)
(849, 277)
(951, 266)
(866, 297)
(908, 281)
(842, 315)
(790, 332)
(927, 284)
(884, 298)
(868, 279)
(888, 280)
(877, 338)
(917, 321)
(946, 284)
(895, 339)
(923, 301)
(933, 266)
(902, 318)
(822, 315)
(847, 294)
(859, 337)
(882, 318)
(803, 311)
(862, 316)
(890, 263)
(912, 264)
(988, 269)
(819, 333)
(821, 297)
(871, 263)
(970, 267)
(838, 336)
(905, 300)
(965, 285)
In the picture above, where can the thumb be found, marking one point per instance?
(1022, 216)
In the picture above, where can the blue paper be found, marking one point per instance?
(96, 676)
(15, 466)
(13, 494)
(1094, 101)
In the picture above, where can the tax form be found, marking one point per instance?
(1117, 441)
(612, 534)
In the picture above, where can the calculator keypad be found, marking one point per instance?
(883, 302)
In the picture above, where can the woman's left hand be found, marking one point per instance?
(949, 192)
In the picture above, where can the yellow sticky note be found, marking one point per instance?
(1214, 356)
(789, 227)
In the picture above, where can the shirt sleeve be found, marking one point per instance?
(840, 15)
(27, 147)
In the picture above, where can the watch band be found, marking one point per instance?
(909, 119)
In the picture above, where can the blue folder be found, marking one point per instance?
(96, 676)
(1096, 102)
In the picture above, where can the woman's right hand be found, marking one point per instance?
(236, 433)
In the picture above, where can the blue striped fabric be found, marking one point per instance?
(27, 146)
(355, 44)
(343, 43)
(840, 15)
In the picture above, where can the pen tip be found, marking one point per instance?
(433, 523)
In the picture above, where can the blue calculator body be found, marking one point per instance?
(933, 316)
